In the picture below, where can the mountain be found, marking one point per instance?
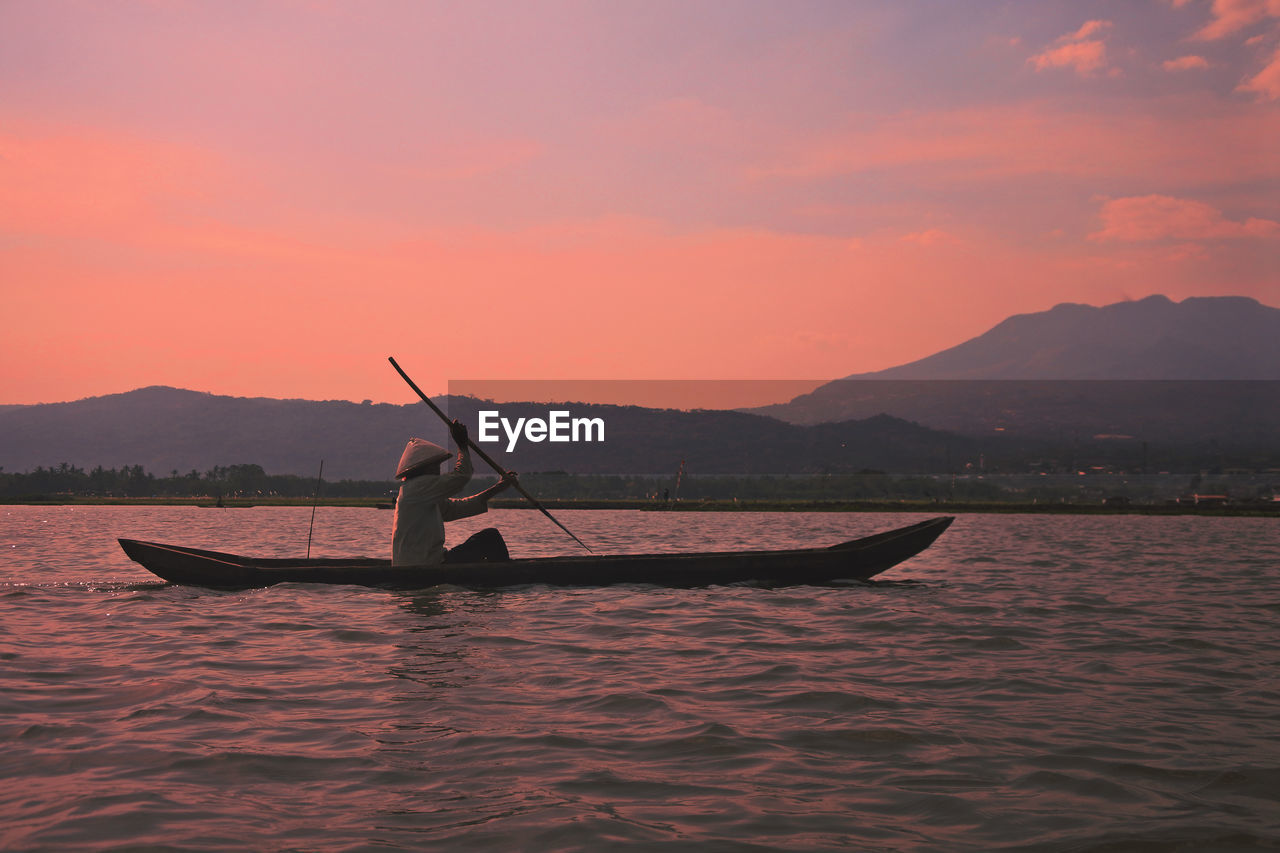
(165, 429)
(1236, 414)
(1200, 371)
(1027, 388)
(1223, 337)
(655, 441)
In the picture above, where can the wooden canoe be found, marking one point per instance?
(857, 559)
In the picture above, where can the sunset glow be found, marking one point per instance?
(269, 200)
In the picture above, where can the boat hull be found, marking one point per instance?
(857, 559)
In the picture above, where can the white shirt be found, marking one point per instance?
(424, 505)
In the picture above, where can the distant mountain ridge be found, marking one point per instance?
(1217, 337)
(1201, 370)
(1032, 378)
(165, 429)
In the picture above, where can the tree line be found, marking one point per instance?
(132, 481)
(866, 485)
(249, 480)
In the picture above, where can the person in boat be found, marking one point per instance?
(426, 502)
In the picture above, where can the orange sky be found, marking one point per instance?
(269, 200)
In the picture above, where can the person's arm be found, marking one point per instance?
(477, 504)
(462, 468)
(508, 480)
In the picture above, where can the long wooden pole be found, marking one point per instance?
(479, 452)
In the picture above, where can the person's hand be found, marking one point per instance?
(459, 432)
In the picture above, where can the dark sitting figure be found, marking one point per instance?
(426, 502)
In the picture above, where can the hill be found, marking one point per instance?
(1225, 337)
(1194, 373)
(1191, 383)
(167, 429)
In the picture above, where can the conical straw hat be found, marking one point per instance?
(418, 454)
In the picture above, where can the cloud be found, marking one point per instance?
(1004, 41)
(1194, 140)
(1231, 16)
(1267, 81)
(1185, 63)
(1085, 57)
(1090, 28)
(931, 237)
(1161, 217)
(1078, 50)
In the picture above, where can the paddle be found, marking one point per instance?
(470, 441)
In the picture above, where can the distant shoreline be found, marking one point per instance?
(1242, 510)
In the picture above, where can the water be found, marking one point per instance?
(1037, 683)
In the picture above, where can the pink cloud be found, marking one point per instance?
(1085, 57)
(1079, 50)
(1004, 41)
(1161, 217)
(1090, 28)
(1231, 16)
(931, 237)
(1267, 81)
(1193, 141)
(1185, 63)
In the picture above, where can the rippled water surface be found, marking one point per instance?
(1040, 683)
